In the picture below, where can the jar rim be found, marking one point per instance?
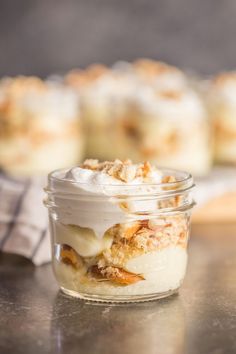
(184, 180)
(169, 172)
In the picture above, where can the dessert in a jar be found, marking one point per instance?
(119, 230)
(146, 110)
(104, 93)
(222, 108)
(40, 126)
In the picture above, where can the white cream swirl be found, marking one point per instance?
(185, 109)
(95, 200)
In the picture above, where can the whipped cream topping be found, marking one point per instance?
(43, 99)
(115, 173)
(162, 76)
(170, 81)
(126, 81)
(174, 105)
(107, 184)
(153, 87)
(111, 88)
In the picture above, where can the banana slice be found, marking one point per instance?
(69, 256)
(82, 239)
(117, 275)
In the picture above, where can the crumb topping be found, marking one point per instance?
(79, 78)
(153, 68)
(124, 171)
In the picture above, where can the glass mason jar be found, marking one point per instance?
(127, 243)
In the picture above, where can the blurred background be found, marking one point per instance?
(46, 36)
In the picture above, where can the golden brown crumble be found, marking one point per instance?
(138, 237)
(124, 171)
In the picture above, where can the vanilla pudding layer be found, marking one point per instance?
(106, 236)
(19, 157)
(162, 270)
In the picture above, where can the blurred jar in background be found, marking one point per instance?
(145, 110)
(40, 126)
(222, 108)
(104, 93)
(169, 127)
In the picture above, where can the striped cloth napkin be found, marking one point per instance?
(24, 219)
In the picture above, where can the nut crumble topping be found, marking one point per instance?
(124, 171)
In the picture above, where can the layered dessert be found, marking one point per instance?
(222, 107)
(104, 93)
(40, 126)
(144, 110)
(119, 230)
(169, 128)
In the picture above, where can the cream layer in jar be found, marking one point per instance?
(40, 126)
(113, 237)
(222, 108)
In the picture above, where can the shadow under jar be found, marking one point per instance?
(124, 243)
